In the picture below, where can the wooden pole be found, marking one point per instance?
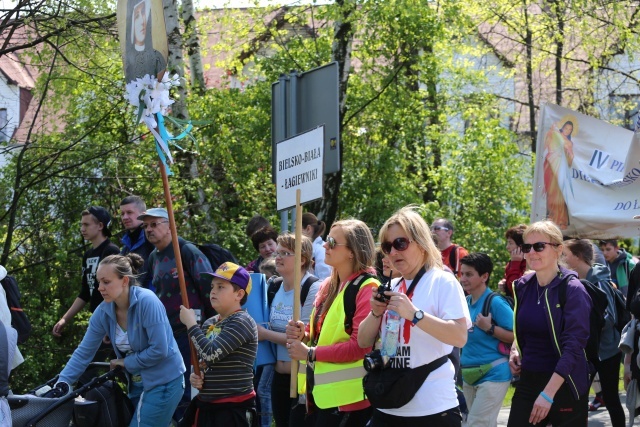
(293, 387)
(176, 251)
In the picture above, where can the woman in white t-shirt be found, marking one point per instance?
(434, 319)
(281, 311)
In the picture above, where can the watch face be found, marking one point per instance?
(419, 314)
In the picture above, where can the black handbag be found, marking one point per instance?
(393, 388)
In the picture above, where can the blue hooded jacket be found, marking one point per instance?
(154, 356)
(568, 327)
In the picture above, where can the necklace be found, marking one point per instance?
(539, 295)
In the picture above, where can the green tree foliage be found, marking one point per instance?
(422, 124)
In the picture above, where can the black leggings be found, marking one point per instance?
(281, 403)
(609, 371)
(565, 411)
(450, 418)
(332, 417)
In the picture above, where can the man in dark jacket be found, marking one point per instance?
(620, 263)
(163, 269)
(134, 239)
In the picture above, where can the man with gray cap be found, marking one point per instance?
(162, 268)
(94, 227)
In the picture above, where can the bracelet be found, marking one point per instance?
(310, 354)
(374, 315)
(546, 397)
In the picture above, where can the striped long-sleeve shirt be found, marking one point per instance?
(228, 350)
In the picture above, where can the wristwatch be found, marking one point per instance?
(491, 330)
(417, 316)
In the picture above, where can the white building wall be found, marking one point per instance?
(9, 99)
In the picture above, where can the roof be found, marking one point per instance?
(15, 72)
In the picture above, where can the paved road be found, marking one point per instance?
(598, 418)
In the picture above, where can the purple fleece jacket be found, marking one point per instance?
(568, 327)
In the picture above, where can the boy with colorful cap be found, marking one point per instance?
(226, 345)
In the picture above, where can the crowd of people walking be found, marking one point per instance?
(403, 332)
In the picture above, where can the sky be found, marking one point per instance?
(4, 4)
(250, 3)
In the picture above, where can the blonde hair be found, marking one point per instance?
(288, 240)
(546, 227)
(550, 230)
(361, 244)
(125, 266)
(416, 228)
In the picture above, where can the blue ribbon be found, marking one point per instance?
(168, 138)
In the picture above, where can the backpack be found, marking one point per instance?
(596, 317)
(486, 307)
(503, 347)
(216, 254)
(104, 406)
(275, 284)
(453, 260)
(19, 320)
(622, 314)
(349, 300)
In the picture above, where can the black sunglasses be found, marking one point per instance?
(538, 246)
(400, 244)
(331, 242)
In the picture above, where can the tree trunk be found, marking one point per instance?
(340, 52)
(194, 195)
(528, 42)
(192, 43)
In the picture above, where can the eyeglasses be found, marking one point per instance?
(146, 225)
(331, 242)
(538, 246)
(438, 228)
(283, 254)
(400, 244)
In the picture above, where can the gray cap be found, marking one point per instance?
(154, 212)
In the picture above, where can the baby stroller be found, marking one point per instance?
(104, 404)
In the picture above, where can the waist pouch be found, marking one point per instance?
(473, 374)
(393, 388)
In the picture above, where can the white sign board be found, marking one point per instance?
(299, 165)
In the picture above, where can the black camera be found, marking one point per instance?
(375, 361)
(380, 296)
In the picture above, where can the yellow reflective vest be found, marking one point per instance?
(335, 384)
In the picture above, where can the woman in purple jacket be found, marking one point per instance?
(549, 339)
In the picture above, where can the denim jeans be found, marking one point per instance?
(155, 407)
(264, 395)
(185, 350)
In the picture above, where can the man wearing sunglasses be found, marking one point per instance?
(442, 230)
(164, 278)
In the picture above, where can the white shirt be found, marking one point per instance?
(321, 270)
(5, 318)
(438, 293)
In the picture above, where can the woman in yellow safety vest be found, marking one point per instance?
(328, 344)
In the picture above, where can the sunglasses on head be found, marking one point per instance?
(538, 246)
(400, 244)
(331, 242)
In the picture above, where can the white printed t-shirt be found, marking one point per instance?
(438, 293)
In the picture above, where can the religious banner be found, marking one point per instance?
(587, 174)
(143, 38)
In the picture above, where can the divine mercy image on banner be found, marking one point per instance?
(587, 175)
